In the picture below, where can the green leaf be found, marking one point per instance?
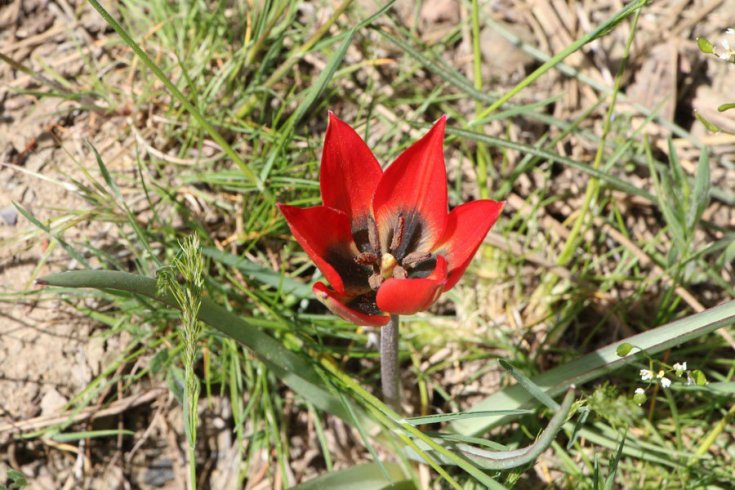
(17, 479)
(664, 195)
(624, 349)
(705, 45)
(505, 460)
(53, 234)
(598, 363)
(529, 385)
(681, 183)
(364, 477)
(610, 481)
(476, 441)
(728, 254)
(709, 125)
(91, 434)
(699, 198)
(699, 378)
(106, 173)
(448, 417)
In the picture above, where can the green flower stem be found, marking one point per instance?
(389, 377)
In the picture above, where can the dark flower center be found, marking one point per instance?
(400, 260)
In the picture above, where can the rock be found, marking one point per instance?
(9, 215)
(52, 402)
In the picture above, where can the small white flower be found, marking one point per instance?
(680, 366)
(725, 49)
(665, 382)
(646, 374)
(640, 391)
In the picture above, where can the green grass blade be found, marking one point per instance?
(324, 78)
(90, 434)
(53, 234)
(610, 481)
(532, 388)
(699, 198)
(449, 417)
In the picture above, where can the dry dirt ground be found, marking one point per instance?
(48, 353)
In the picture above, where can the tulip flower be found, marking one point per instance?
(385, 240)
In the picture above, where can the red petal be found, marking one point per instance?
(407, 296)
(337, 304)
(415, 183)
(467, 226)
(349, 172)
(323, 233)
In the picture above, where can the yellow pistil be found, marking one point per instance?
(387, 264)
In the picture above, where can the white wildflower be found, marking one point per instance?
(646, 374)
(680, 368)
(665, 382)
(725, 49)
(640, 391)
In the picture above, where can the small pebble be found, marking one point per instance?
(9, 215)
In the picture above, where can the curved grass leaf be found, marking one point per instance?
(506, 460)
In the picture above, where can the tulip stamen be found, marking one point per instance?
(373, 235)
(399, 272)
(398, 234)
(414, 258)
(375, 280)
(367, 258)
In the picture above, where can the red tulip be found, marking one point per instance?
(385, 240)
